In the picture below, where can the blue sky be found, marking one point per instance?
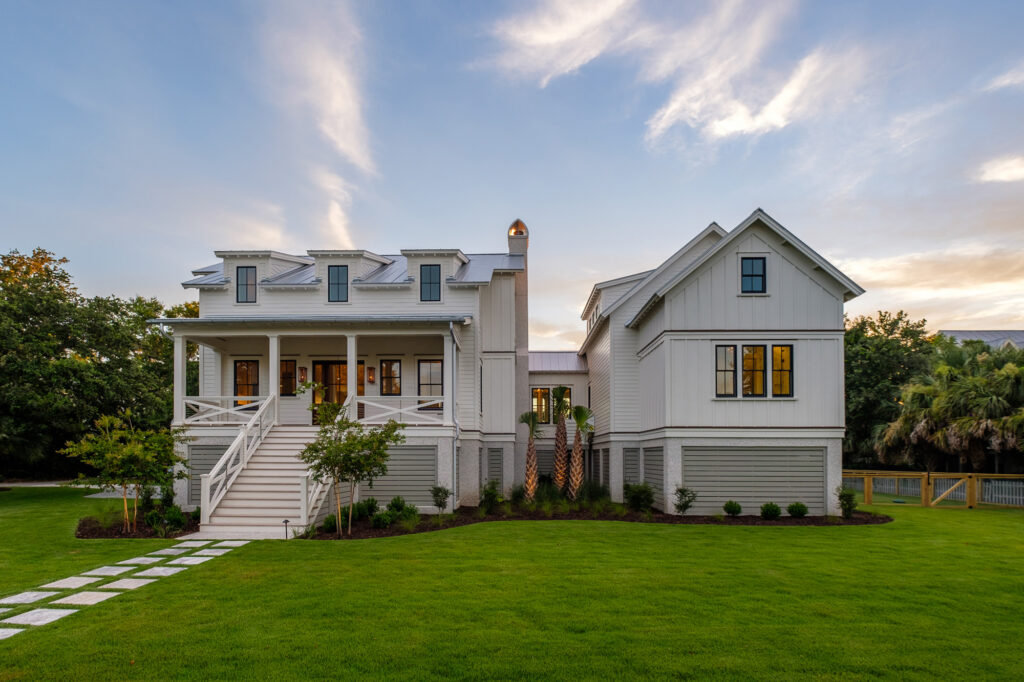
(137, 137)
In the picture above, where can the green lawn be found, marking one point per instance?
(940, 592)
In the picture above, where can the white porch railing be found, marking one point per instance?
(222, 409)
(408, 409)
(216, 483)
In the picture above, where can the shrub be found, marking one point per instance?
(847, 501)
(410, 523)
(684, 499)
(367, 508)
(591, 491)
(154, 518)
(197, 515)
(562, 506)
(547, 508)
(174, 517)
(397, 504)
(732, 508)
(517, 494)
(146, 500)
(382, 519)
(439, 494)
(619, 510)
(770, 511)
(547, 491)
(797, 510)
(639, 497)
(490, 498)
(167, 495)
(506, 509)
(330, 524)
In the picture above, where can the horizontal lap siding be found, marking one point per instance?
(753, 477)
(654, 474)
(412, 472)
(545, 462)
(605, 462)
(631, 465)
(494, 466)
(201, 460)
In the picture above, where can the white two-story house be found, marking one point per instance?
(720, 370)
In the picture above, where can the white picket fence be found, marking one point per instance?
(993, 490)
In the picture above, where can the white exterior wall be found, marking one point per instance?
(599, 365)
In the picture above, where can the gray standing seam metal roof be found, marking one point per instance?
(997, 338)
(556, 361)
(459, 318)
(302, 275)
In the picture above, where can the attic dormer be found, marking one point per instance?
(245, 270)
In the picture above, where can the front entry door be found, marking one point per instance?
(333, 376)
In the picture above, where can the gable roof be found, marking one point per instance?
(852, 289)
(597, 288)
(558, 361)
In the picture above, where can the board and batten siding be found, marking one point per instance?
(201, 460)
(654, 474)
(412, 471)
(498, 315)
(753, 476)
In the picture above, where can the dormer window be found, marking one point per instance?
(245, 284)
(752, 275)
(337, 283)
(430, 282)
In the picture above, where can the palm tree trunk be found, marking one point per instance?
(561, 456)
(576, 465)
(531, 470)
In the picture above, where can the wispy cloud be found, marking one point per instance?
(963, 267)
(339, 200)
(716, 62)
(1004, 169)
(1014, 78)
(314, 52)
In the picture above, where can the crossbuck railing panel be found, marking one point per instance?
(221, 409)
(412, 410)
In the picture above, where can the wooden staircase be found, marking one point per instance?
(268, 490)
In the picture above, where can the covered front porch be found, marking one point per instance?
(407, 375)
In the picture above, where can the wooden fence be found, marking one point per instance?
(971, 489)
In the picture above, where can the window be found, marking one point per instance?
(542, 404)
(391, 377)
(782, 371)
(430, 282)
(245, 284)
(725, 371)
(247, 379)
(753, 371)
(752, 278)
(430, 382)
(287, 377)
(337, 283)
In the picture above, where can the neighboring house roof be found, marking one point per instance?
(997, 338)
(561, 361)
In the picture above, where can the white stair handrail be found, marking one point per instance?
(215, 484)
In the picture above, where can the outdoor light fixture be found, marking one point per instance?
(303, 376)
(371, 374)
(285, 529)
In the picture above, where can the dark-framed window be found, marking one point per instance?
(245, 284)
(287, 377)
(391, 377)
(247, 379)
(754, 371)
(725, 371)
(542, 404)
(430, 375)
(782, 371)
(337, 283)
(752, 274)
(430, 282)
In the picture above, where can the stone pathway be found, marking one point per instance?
(33, 608)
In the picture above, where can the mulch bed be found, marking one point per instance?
(90, 528)
(465, 516)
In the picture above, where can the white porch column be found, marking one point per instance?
(448, 380)
(274, 356)
(352, 369)
(180, 365)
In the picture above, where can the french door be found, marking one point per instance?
(333, 376)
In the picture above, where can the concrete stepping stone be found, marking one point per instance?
(126, 584)
(189, 560)
(27, 597)
(108, 570)
(71, 583)
(9, 632)
(5, 610)
(212, 552)
(145, 560)
(38, 616)
(170, 551)
(159, 571)
(232, 543)
(193, 543)
(85, 598)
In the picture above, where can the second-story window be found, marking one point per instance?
(753, 371)
(725, 371)
(752, 279)
(337, 283)
(245, 284)
(782, 371)
(430, 282)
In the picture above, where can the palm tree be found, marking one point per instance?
(561, 409)
(581, 415)
(532, 422)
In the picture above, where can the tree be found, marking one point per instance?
(581, 415)
(439, 494)
(561, 409)
(347, 451)
(882, 354)
(532, 422)
(125, 456)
